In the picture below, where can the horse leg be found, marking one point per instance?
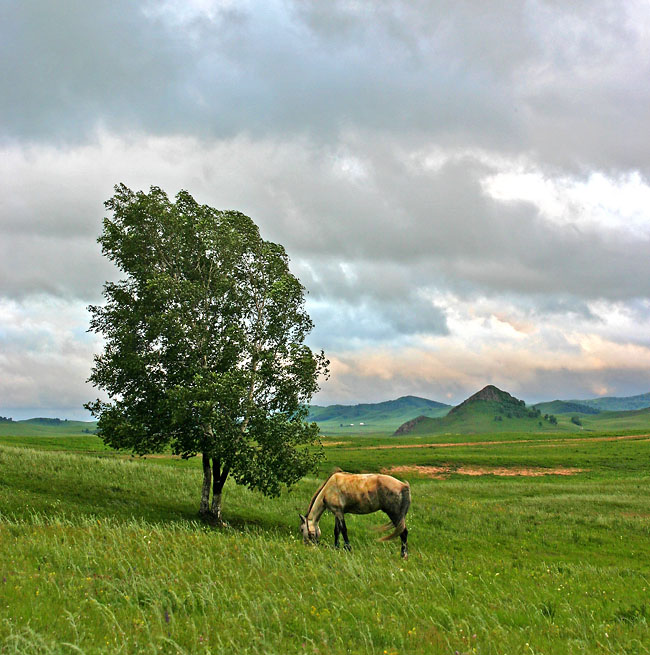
(405, 549)
(344, 530)
(337, 531)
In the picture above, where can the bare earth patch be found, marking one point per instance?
(334, 443)
(560, 441)
(441, 472)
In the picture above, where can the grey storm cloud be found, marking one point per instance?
(362, 136)
(540, 385)
(382, 236)
(566, 81)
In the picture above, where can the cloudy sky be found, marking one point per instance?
(462, 186)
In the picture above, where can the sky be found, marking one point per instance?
(463, 187)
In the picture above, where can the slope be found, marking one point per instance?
(47, 427)
(490, 410)
(565, 407)
(615, 404)
(374, 417)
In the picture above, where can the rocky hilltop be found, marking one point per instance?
(488, 410)
(490, 394)
(409, 425)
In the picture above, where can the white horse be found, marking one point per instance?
(358, 493)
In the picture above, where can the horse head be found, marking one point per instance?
(310, 530)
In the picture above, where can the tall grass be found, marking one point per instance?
(105, 555)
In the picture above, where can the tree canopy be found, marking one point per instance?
(204, 344)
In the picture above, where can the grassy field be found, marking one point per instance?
(482, 422)
(46, 427)
(366, 419)
(101, 552)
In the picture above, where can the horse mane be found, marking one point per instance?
(313, 498)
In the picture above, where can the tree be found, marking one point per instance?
(204, 345)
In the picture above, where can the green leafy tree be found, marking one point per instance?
(204, 345)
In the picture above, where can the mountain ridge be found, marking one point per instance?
(616, 403)
(386, 416)
(479, 413)
(565, 407)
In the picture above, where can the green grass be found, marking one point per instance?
(612, 403)
(45, 427)
(374, 417)
(565, 407)
(479, 418)
(623, 420)
(102, 553)
(74, 443)
(480, 421)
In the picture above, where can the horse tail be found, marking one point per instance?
(400, 526)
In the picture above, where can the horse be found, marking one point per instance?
(358, 493)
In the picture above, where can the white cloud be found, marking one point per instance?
(544, 360)
(463, 191)
(598, 202)
(45, 357)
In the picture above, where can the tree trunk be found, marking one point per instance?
(204, 507)
(218, 480)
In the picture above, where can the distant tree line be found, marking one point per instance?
(519, 410)
(6, 419)
(516, 409)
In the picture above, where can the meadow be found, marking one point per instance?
(102, 552)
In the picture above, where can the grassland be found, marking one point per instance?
(484, 418)
(101, 552)
(366, 419)
(46, 427)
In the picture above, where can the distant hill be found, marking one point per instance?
(378, 417)
(565, 407)
(47, 421)
(46, 427)
(615, 404)
(489, 410)
(492, 410)
(631, 420)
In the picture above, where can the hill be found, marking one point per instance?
(617, 404)
(492, 410)
(374, 417)
(489, 410)
(47, 427)
(632, 420)
(565, 407)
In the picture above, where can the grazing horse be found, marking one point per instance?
(361, 493)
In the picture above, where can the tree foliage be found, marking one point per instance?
(204, 344)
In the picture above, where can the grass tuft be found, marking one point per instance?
(100, 553)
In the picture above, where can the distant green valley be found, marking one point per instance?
(490, 411)
(374, 417)
(45, 426)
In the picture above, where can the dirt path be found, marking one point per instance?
(508, 441)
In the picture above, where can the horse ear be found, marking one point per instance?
(303, 519)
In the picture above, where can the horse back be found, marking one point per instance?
(363, 493)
